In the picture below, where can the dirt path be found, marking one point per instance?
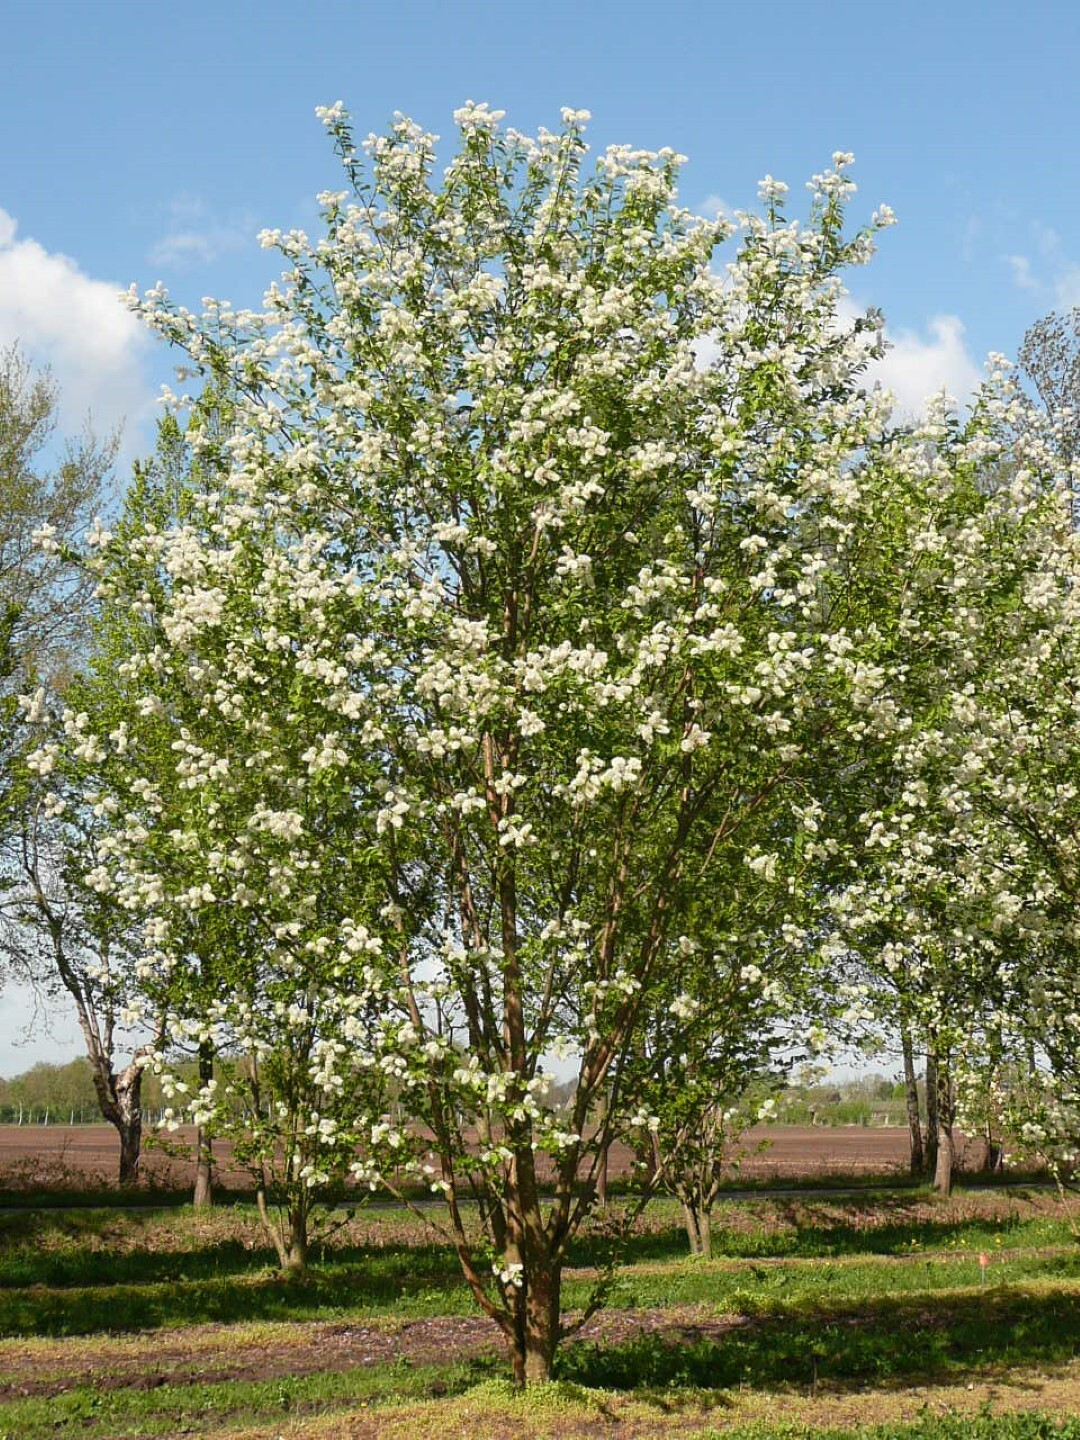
(217, 1353)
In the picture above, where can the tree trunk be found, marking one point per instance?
(946, 1155)
(203, 1195)
(690, 1222)
(127, 1117)
(130, 1150)
(533, 1347)
(932, 1129)
(296, 1256)
(291, 1245)
(704, 1231)
(119, 1096)
(602, 1177)
(995, 1153)
(698, 1224)
(943, 1170)
(602, 1157)
(916, 1156)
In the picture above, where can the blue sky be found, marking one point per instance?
(144, 143)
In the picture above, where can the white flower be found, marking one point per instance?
(763, 865)
(511, 1274)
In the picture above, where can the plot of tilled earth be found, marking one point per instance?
(48, 1155)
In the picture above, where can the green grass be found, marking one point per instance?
(413, 1283)
(910, 1339)
(879, 1292)
(70, 1273)
(897, 1239)
(899, 1236)
(389, 1287)
(205, 1407)
(98, 1246)
(1029, 1426)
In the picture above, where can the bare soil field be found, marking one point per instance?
(77, 1156)
(56, 1156)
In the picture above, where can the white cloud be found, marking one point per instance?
(1067, 288)
(194, 236)
(916, 366)
(80, 327)
(714, 206)
(1023, 275)
(1053, 275)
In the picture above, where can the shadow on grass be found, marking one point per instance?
(207, 1408)
(900, 1227)
(72, 1250)
(98, 1267)
(146, 1291)
(895, 1341)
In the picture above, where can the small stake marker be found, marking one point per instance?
(984, 1264)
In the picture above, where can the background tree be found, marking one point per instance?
(1050, 358)
(59, 934)
(198, 821)
(50, 937)
(49, 491)
(963, 870)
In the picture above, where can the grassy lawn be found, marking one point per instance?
(817, 1317)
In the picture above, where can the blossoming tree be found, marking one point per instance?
(521, 616)
(199, 831)
(961, 899)
(53, 934)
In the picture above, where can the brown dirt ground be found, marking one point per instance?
(80, 1155)
(215, 1354)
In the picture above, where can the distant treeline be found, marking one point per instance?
(869, 1100)
(62, 1095)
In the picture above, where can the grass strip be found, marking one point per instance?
(203, 1408)
(440, 1402)
(562, 1411)
(101, 1246)
(389, 1285)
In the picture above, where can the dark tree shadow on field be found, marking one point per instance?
(885, 1225)
(138, 1292)
(72, 1249)
(897, 1341)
